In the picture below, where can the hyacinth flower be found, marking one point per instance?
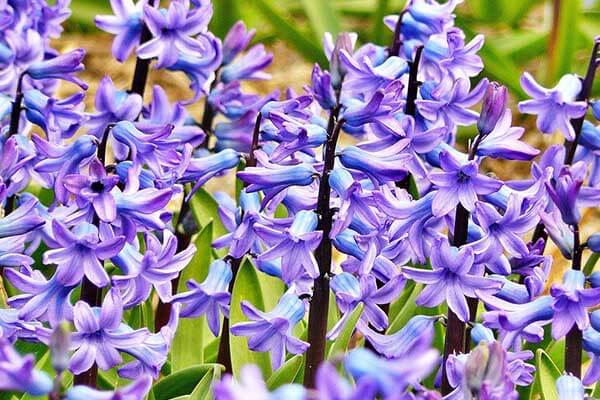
(63, 66)
(134, 391)
(295, 246)
(451, 107)
(78, 253)
(41, 299)
(112, 105)
(554, 107)
(275, 178)
(503, 141)
(161, 113)
(125, 24)
(569, 387)
(450, 279)
(503, 232)
(21, 221)
(18, 373)
(97, 337)
(459, 183)
(571, 301)
(252, 385)
(155, 268)
(389, 376)
(64, 160)
(94, 188)
(414, 337)
(173, 32)
(249, 66)
(200, 170)
(241, 224)
(351, 291)
(272, 331)
(236, 41)
(564, 192)
(591, 344)
(210, 297)
(60, 119)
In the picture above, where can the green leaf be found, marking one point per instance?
(545, 376)
(591, 263)
(341, 342)
(288, 31)
(407, 311)
(204, 210)
(202, 391)
(379, 28)
(225, 14)
(562, 44)
(271, 288)
(246, 287)
(182, 382)
(188, 343)
(322, 17)
(287, 373)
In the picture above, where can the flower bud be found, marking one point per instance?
(60, 342)
(569, 387)
(344, 41)
(494, 104)
(593, 242)
(484, 366)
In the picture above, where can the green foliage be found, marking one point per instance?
(545, 377)
(343, 340)
(184, 382)
(247, 287)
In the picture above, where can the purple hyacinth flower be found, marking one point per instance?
(134, 391)
(252, 385)
(201, 170)
(564, 190)
(272, 331)
(570, 387)
(493, 108)
(172, 33)
(331, 386)
(112, 105)
(459, 183)
(379, 109)
(391, 377)
(416, 336)
(156, 267)
(450, 105)
(60, 119)
(554, 107)
(571, 300)
(21, 221)
(161, 112)
(250, 66)
(236, 41)
(351, 291)
(387, 165)
(79, 253)
(503, 232)
(12, 327)
(150, 353)
(200, 70)
(46, 300)
(362, 77)
(322, 88)
(241, 224)
(18, 373)
(126, 24)
(95, 189)
(98, 337)
(64, 160)
(503, 141)
(274, 178)
(450, 279)
(294, 246)
(63, 66)
(210, 297)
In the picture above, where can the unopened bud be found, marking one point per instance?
(494, 105)
(344, 41)
(60, 342)
(485, 365)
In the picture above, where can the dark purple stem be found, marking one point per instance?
(142, 66)
(319, 304)
(209, 114)
(573, 341)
